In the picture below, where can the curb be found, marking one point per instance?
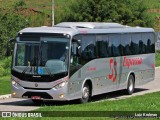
(2, 97)
(157, 67)
(135, 94)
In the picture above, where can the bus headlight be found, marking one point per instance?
(14, 83)
(62, 84)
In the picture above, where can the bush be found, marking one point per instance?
(5, 66)
(127, 12)
(1, 71)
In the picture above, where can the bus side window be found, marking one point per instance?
(115, 44)
(145, 37)
(88, 48)
(135, 43)
(126, 43)
(152, 46)
(102, 46)
(142, 47)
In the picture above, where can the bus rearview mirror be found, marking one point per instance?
(8, 51)
(11, 40)
(78, 50)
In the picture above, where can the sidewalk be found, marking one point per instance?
(2, 97)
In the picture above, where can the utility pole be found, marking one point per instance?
(52, 12)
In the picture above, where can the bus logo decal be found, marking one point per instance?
(36, 85)
(153, 65)
(128, 62)
(91, 69)
(112, 76)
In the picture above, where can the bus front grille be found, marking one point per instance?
(37, 88)
(41, 94)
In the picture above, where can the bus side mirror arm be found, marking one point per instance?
(12, 40)
(78, 49)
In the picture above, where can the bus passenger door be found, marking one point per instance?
(75, 65)
(75, 57)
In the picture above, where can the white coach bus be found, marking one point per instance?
(77, 60)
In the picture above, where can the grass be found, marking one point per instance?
(45, 7)
(148, 103)
(5, 87)
(38, 12)
(5, 65)
(29, 4)
(152, 4)
(157, 59)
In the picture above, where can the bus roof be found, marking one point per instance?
(73, 28)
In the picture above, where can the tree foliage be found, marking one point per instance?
(127, 12)
(10, 24)
(20, 5)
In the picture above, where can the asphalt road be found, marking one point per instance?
(13, 104)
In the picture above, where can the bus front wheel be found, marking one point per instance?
(86, 94)
(130, 85)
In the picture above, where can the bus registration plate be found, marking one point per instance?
(36, 97)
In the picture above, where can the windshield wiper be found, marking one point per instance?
(26, 68)
(30, 65)
(49, 72)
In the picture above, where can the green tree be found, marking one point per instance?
(128, 12)
(10, 24)
(20, 5)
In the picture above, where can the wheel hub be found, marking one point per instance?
(85, 93)
(130, 85)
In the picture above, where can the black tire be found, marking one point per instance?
(130, 85)
(37, 102)
(86, 94)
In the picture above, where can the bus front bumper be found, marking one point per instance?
(31, 93)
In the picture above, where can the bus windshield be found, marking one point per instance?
(48, 55)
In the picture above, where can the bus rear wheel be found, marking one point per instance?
(130, 85)
(86, 94)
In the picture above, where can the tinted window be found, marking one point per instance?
(114, 44)
(88, 47)
(135, 43)
(152, 45)
(145, 38)
(141, 46)
(102, 43)
(126, 42)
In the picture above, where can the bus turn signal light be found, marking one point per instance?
(14, 93)
(61, 96)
